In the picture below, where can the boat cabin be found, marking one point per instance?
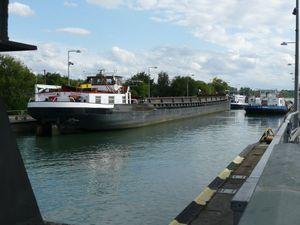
(99, 89)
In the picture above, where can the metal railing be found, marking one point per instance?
(287, 132)
(289, 128)
(17, 116)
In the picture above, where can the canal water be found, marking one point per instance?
(138, 176)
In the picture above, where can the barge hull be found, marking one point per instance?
(122, 116)
(266, 110)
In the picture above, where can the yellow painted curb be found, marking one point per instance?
(174, 222)
(205, 196)
(225, 174)
(238, 160)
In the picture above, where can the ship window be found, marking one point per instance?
(98, 99)
(124, 99)
(111, 99)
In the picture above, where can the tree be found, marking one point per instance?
(163, 84)
(246, 91)
(233, 90)
(219, 85)
(204, 88)
(179, 86)
(287, 93)
(56, 79)
(16, 83)
(139, 84)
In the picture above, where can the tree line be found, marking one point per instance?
(178, 86)
(252, 92)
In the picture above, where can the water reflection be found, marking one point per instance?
(136, 176)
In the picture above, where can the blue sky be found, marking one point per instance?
(121, 27)
(237, 40)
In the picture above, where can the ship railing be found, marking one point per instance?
(193, 99)
(287, 132)
(18, 115)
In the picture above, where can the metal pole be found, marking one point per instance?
(187, 87)
(45, 76)
(69, 68)
(297, 58)
(149, 87)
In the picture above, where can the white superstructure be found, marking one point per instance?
(268, 99)
(239, 99)
(98, 90)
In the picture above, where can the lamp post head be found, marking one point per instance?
(76, 51)
(295, 11)
(283, 43)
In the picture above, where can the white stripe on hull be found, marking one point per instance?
(69, 105)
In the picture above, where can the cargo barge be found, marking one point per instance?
(103, 103)
(269, 103)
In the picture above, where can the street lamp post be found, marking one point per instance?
(296, 83)
(149, 74)
(187, 85)
(296, 94)
(70, 63)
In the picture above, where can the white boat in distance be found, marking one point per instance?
(238, 102)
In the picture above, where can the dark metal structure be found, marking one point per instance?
(296, 91)
(18, 205)
(5, 44)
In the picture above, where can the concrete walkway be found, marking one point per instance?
(276, 199)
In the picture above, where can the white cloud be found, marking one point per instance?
(20, 9)
(70, 4)
(239, 41)
(106, 3)
(74, 30)
(252, 30)
(123, 56)
(232, 66)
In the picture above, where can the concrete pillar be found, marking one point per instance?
(47, 129)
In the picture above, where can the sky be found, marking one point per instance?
(235, 40)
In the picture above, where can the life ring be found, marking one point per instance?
(52, 98)
(75, 98)
(72, 99)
